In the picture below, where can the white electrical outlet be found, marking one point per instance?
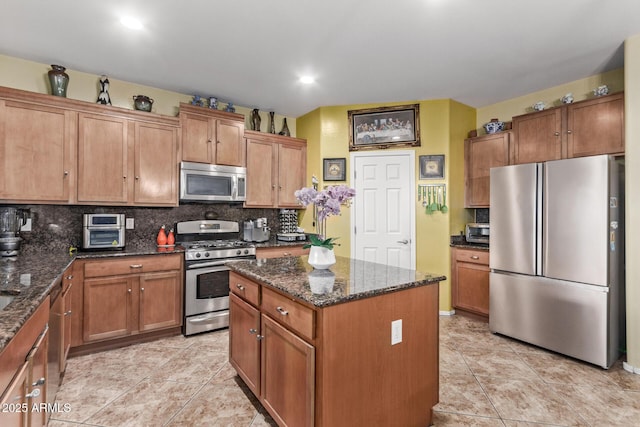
(26, 226)
(129, 224)
(396, 332)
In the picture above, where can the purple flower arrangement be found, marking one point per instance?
(327, 202)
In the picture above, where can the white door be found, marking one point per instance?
(383, 212)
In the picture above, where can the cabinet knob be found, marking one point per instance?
(239, 286)
(475, 257)
(34, 393)
(129, 290)
(273, 186)
(69, 277)
(67, 313)
(282, 311)
(556, 133)
(141, 289)
(124, 177)
(137, 177)
(569, 131)
(39, 382)
(209, 141)
(259, 337)
(66, 173)
(253, 331)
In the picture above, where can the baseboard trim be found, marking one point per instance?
(447, 313)
(629, 368)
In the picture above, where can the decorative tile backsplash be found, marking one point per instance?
(59, 227)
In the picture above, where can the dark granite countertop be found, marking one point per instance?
(461, 242)
(347, 280)
(28, 278)
(274, 243)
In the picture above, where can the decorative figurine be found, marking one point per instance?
(567, 99)
(285, 128)
(197, 101)
(601, 90)
(255, 119)
(538, 106)
(272, 125)
(213, 102)
(230, 108)
(103, 96)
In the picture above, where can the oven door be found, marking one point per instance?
(206, 289)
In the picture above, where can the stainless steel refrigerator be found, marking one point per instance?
(557, 256)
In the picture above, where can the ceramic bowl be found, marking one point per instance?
(493, 127)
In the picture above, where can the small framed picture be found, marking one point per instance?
(334, 169)
(432, 167)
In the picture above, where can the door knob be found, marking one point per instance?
(404, 242)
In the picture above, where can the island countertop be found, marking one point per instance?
(347, 280)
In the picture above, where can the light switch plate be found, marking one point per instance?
(129, 224)
(396, 332)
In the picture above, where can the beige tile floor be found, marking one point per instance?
(485, 380)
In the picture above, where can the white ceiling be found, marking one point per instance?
(251, 52)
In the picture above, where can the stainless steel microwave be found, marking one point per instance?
(103, 231)
(203, 182)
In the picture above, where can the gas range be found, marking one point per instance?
(212, 240)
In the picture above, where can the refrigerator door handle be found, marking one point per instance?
(540, 206)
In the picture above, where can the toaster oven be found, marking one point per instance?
(103, 231)
(477, 233)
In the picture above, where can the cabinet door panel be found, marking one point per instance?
(196, 139)
(15, 396)
(480, 155)
(473, 287)
(287, 375)
(37, 360)
(102, 159)
(538, 136)
(244, 346)
(160, 300)
(261, 162)
(156, 166)
(292, 161)
(35, 142)
(596, 127)
(230, 143)
(107, 308)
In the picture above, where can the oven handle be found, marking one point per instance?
(208, 318)
(207, 264)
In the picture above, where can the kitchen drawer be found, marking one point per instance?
(288, 312)
(246, 289)
(280, 251)
(132, 265)
(469, 255)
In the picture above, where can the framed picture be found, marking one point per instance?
(432, 167)
(334, 169)
(384, 127)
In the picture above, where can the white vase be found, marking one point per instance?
(321, 281)
(321, 258)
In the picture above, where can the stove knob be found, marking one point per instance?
(207, 254)
(238, 252)
(198, 255)
(246, 251)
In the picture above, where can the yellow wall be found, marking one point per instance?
(581, 89)
(32, 76)
(632, 199)
(443, 126)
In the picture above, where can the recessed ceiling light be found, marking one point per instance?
(307, 80)
(130, 22)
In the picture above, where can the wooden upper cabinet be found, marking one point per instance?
(586, 128)
(538, 136)
(276, 168)
(103, 155)
(36, 152)
(480, 155)
(156, 165)
(596, 126)
(212, 136)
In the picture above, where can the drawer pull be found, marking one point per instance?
(70, 277)
(39, 382)
(253, 331)
(259, 337)
(475, 257)
(34, 393)
(286, 254)
(239, 286)
(67, 313)
(135, 266)
(282, 311)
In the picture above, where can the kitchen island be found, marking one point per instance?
(353, 345)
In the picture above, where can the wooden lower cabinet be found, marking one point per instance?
(127, 304)
(281, 251)
(470, 281)
(23, 373)
(308, 368)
